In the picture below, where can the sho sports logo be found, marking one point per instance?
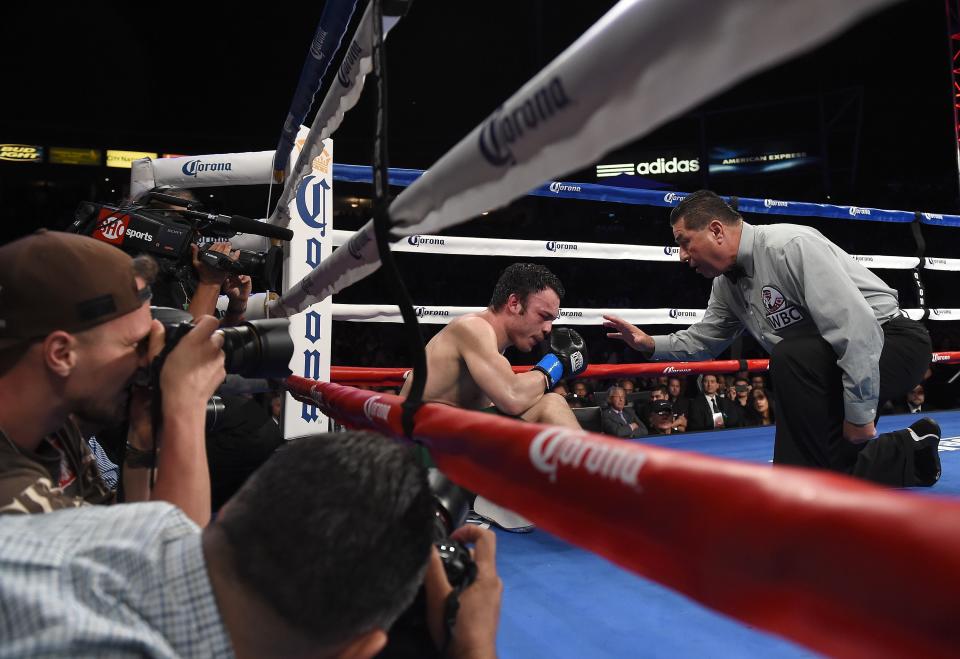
(374, 410)
(425, 312)
(556, 187)
(674, 369)
(671, 250)
(417, 240)
(115, 229)
(351, 58)
(142, 235)
(503, 129)
(111, 228)
(553, 246)
(855, 210)
(194, 167)
(672, 197)
(681, 313)
(774, 203)
(570, 314)
(561, 447)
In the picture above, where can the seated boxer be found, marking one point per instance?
(465, 362)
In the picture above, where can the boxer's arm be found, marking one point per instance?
(512, 393)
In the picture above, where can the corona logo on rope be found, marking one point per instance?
(932, 216)
(194, 167)
(671, 250)
(553, 246)
(774, 203)
(351, 58)
(416, 240)
(674, 369)
(937, 357)
(680, 313)
(935, 261)
(557, 187)
(502, 130)
(374, 410)
(570, 314)
(855, 210)
(561, 447)
(426, 312)
(673, 197)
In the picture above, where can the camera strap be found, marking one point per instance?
(451, 606)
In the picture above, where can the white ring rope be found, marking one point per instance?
(441, 315)
(457, 245)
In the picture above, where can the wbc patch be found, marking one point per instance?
(780, 313)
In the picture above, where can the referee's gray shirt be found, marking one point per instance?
(795, 282)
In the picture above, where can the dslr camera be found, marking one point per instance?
(254, 349)
(410, 637)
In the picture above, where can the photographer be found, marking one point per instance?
(317, 555)
(75, 333)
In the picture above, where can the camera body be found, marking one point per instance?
(254, 349)
(167, 235)
(409, 637)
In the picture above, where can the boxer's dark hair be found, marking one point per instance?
(522, 279)
(699, 208)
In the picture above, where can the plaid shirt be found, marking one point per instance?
(126, 580)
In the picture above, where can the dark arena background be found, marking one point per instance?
(867, 121)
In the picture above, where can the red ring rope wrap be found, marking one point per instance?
(391, 377)
(842, 566)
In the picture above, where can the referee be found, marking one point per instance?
(837, 339)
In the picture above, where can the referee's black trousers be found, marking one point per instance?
(808, 393)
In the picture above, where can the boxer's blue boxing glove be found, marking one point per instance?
(567, 356)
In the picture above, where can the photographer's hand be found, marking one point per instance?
(237, 289)
(209, 281)
(192, 372)
(475, 632)
(136, 478)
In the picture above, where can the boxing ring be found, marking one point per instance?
(682, 546)
(562, 601)
(751, 541)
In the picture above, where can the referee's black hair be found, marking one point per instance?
(699, 208)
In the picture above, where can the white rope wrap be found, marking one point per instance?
(458, 245)
(440, 315)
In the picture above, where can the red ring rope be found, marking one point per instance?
(391, 377)
(840, 565)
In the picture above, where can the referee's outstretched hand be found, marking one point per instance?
(632, 335)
